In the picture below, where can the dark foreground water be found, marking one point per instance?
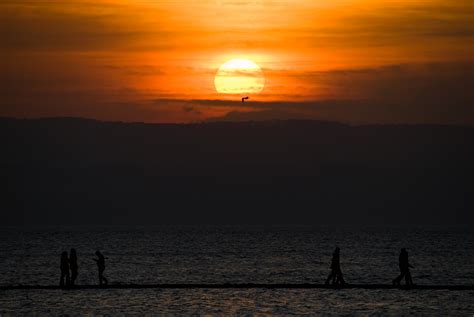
(237, 255)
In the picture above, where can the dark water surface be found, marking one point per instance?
(238, 255)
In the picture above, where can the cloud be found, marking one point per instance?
(399, 23)
(191, 109)
(411, 93)
(403, 93)
(360, 112)
(67, 27)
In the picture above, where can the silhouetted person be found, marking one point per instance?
(73, 265)
(101, 266)
(404, 268)
(336, 274)
(64, 270)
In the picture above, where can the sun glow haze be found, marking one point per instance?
(239, 76)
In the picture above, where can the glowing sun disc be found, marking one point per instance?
(239, 76)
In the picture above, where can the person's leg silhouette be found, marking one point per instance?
(102, 279)
(61, 280)
(408, 279)
(399, 278)
(339, 278)
(65, 279)
(330, 278)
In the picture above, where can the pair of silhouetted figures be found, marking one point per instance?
(336, 274)
(67, 264)
(404, 269)
(336, 278)
(68, 279)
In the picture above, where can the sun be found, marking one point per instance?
(239, 76)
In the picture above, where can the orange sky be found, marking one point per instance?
(155, 60)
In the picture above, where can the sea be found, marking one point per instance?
(237, 254)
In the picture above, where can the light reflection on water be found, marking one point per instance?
(232, 302)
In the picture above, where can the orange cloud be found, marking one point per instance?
(132, 51)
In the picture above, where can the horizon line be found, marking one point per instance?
(213, 122)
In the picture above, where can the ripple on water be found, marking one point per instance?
(237, 255)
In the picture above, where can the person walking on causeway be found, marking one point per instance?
(64, 270)
(73, 265)
(336, 274)
(101, 266)
(404, 269)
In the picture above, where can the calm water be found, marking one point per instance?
(238, 255)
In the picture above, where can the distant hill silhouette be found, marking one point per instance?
(77, 171)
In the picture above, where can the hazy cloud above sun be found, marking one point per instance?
(112, 59)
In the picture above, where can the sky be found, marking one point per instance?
(354, 61)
